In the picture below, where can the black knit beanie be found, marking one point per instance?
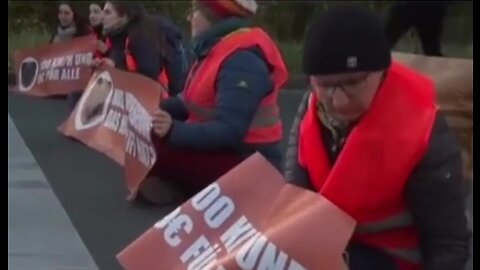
(348, 38)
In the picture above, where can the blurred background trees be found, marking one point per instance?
(30, 22)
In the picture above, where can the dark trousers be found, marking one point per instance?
(362, 257)
(425, 17)
(192, 170)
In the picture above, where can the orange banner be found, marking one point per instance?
(249, 219)
(453, 78)
(55, 69)
(113, 117)
(140, 153)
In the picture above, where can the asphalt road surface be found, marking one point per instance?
(88, 185)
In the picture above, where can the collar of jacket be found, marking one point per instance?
(65, 33)
(205, 41)
(339, 129)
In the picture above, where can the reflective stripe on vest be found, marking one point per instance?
(402, 220)
(383, 145)
(200, 96)
(391, 223)
(266, 116)
(409, 255)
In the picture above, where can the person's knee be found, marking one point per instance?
(161, 192)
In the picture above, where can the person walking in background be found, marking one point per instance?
(370, 138)
(228, 109)
(71, 23)
(426, 17)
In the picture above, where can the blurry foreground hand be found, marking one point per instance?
(103, 62)
(161, 123)
(101, 46)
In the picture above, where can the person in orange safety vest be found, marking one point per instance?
(228, 109)
(131, 63)
(133, 42)
(370, 138)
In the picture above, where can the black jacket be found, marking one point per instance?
(98, 31)
(433, 194)
(148, 59)
(177, 62)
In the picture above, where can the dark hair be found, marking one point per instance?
(98, 29)
(98, 3)
(80, 19)
(140, 23)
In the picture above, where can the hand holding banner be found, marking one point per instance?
(249, 219)
(113, 115)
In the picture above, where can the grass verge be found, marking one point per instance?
(27, 38)
(292, 52)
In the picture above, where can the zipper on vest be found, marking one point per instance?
(337, 143)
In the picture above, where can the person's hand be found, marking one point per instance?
(99, 62)
(107, 62)
(161, 123)
(95, 62)
(101, 46)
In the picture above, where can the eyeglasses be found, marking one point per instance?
(351, 87)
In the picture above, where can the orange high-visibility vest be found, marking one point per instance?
(200, 91)
(132, 65)
(97, 54)
(369, 176)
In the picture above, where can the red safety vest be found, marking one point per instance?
(97, 54)
(132, 65)
(200, 92)
(369, 177)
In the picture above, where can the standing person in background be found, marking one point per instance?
(71, 23)
(228, 109)
(426, 17)
(370, 138)
(135, 42)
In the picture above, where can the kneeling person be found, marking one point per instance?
(369, 137)
(228, 109)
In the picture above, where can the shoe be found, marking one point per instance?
(160, 192)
